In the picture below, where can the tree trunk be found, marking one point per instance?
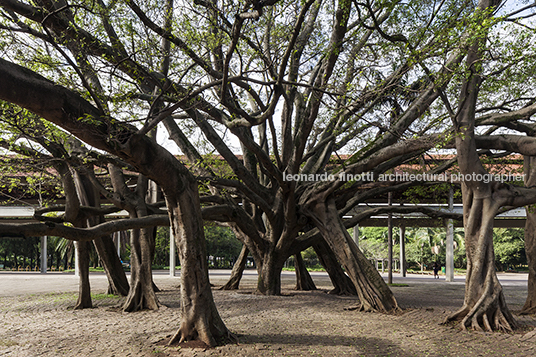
(84, 290)
(238, 270)
(341, 282)
(484, 305)
(117, 279)
(269, 282)
(373, 292)
(303, 278)
(530, 251)
(200, 318)
(141, 294)
(530, 238)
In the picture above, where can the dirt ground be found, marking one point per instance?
(295, 324)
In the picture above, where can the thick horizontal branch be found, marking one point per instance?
(80, 234)
(367, 213)
(524, 145)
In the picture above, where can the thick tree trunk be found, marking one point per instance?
(484, 305)
(373, 292)
(341, 282)
(269, 282)
(238, 270)
(141, 294)
(84, 290)
(530, 238)
(200, 318)
(303, 278)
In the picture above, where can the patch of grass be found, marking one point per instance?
(8, 343)
(103, 296)
(313, 268)
(395, 284)
(165, 267)
(62, 297)
(97, 270)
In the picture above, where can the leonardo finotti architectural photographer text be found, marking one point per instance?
(404, 177)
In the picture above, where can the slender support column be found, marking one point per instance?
(403, 251)
(356, 235)
(171, 253)
(44, 254)
(449, 264)
(118, 243)
(390, 245)
(77, 259)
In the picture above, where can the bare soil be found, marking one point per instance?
(295, 324)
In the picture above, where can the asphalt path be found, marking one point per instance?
(21, 283)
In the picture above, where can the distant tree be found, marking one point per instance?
(509, 246)
(222, 243)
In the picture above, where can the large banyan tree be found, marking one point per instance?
(293, 83)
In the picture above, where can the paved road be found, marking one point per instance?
(20, 283)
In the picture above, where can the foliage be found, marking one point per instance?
(221, 243)
(222, 246)
(509, 246)
(20, 252)
(310, 259)
(423, 245)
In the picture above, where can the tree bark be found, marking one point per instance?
(141, 295)
(530, 238)
(269, 282)
(303, 278)
(200, 318)
(373, 292)
(84, 289)
(341, 282)
(484, 306)
(238, 270)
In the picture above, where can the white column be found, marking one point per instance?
(449, 264)
(118, 243)
(44, 254)
(403, 251)
(77, 259)
(171, 253)
(356, 235)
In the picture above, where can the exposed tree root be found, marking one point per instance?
(489, 314)
(139, 299)
(348, 290)
(204, 335)
(528, 311)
